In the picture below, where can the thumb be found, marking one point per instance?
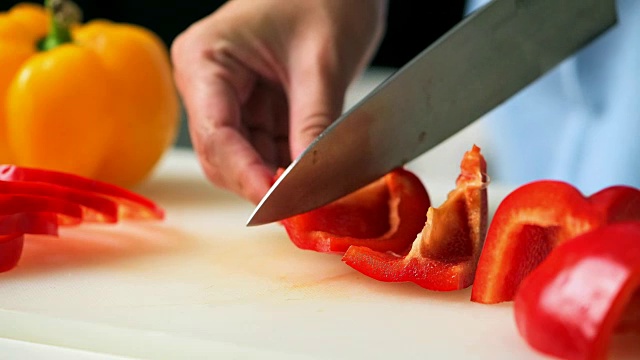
(316, 99)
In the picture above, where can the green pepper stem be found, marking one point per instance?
(62, 14)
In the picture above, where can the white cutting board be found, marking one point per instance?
(202, 285)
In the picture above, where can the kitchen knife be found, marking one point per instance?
(489, 56)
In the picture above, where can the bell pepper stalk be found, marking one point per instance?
(584, 291)
(95, 99)
(36, 201)
(535, 218)
(444, 255)
(384, 215)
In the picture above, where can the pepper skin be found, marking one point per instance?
(570, 305)
(534, 219)
(444, 255)
(385, 215)
(101, 105)
(130, 205)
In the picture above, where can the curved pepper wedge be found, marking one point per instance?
(570, 305)
(534, 219)
(384, 215)
(445, 253)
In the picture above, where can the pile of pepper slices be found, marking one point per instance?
(570, 263)
(37, 201)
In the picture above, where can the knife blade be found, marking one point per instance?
(481, 62)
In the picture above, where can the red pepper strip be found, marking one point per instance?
(444, 255)
(95, 208)
(42, 223)
(10, 250)
(29, 214)
(130, 204)
(385, 215)
(569, 306)
(68, 213)
(534, 219)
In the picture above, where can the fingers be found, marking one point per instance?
(227, 158)
(332, 48)
(213, 88)
(234, 68)
(316, 99)
(266, 119)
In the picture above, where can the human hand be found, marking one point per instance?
(261, 79)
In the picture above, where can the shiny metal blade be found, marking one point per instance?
(476, 66)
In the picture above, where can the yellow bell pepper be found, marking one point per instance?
(94, 99)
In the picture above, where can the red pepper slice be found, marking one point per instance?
(130, 204)
(385, 215)
(444, 255)
(30, 214)
(570, 305)
(67, 213)
(14, 226)
(534, 219)
(42, 223)
(95, 208)
(34, 201)
(10, 250)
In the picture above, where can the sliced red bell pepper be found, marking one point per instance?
(30, 214)
(444, 255)
(10, 250)
(68, 213)
(14, 226)
(534, 219)
(385, 215)
(570, 305)
(95, 208)
(130, 204)
(42, 223)
(34, 201)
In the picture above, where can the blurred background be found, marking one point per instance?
(410, 28)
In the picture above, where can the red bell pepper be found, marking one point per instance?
(68, 213)
(385, 215)
(570, 305)
(130, 204)
(534, 219)
(95, 208)
(42, 223)
(34, 201)
(444, 255)
(28, 214)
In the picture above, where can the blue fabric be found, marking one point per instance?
(581, 121)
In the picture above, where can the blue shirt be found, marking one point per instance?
(580, 122)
